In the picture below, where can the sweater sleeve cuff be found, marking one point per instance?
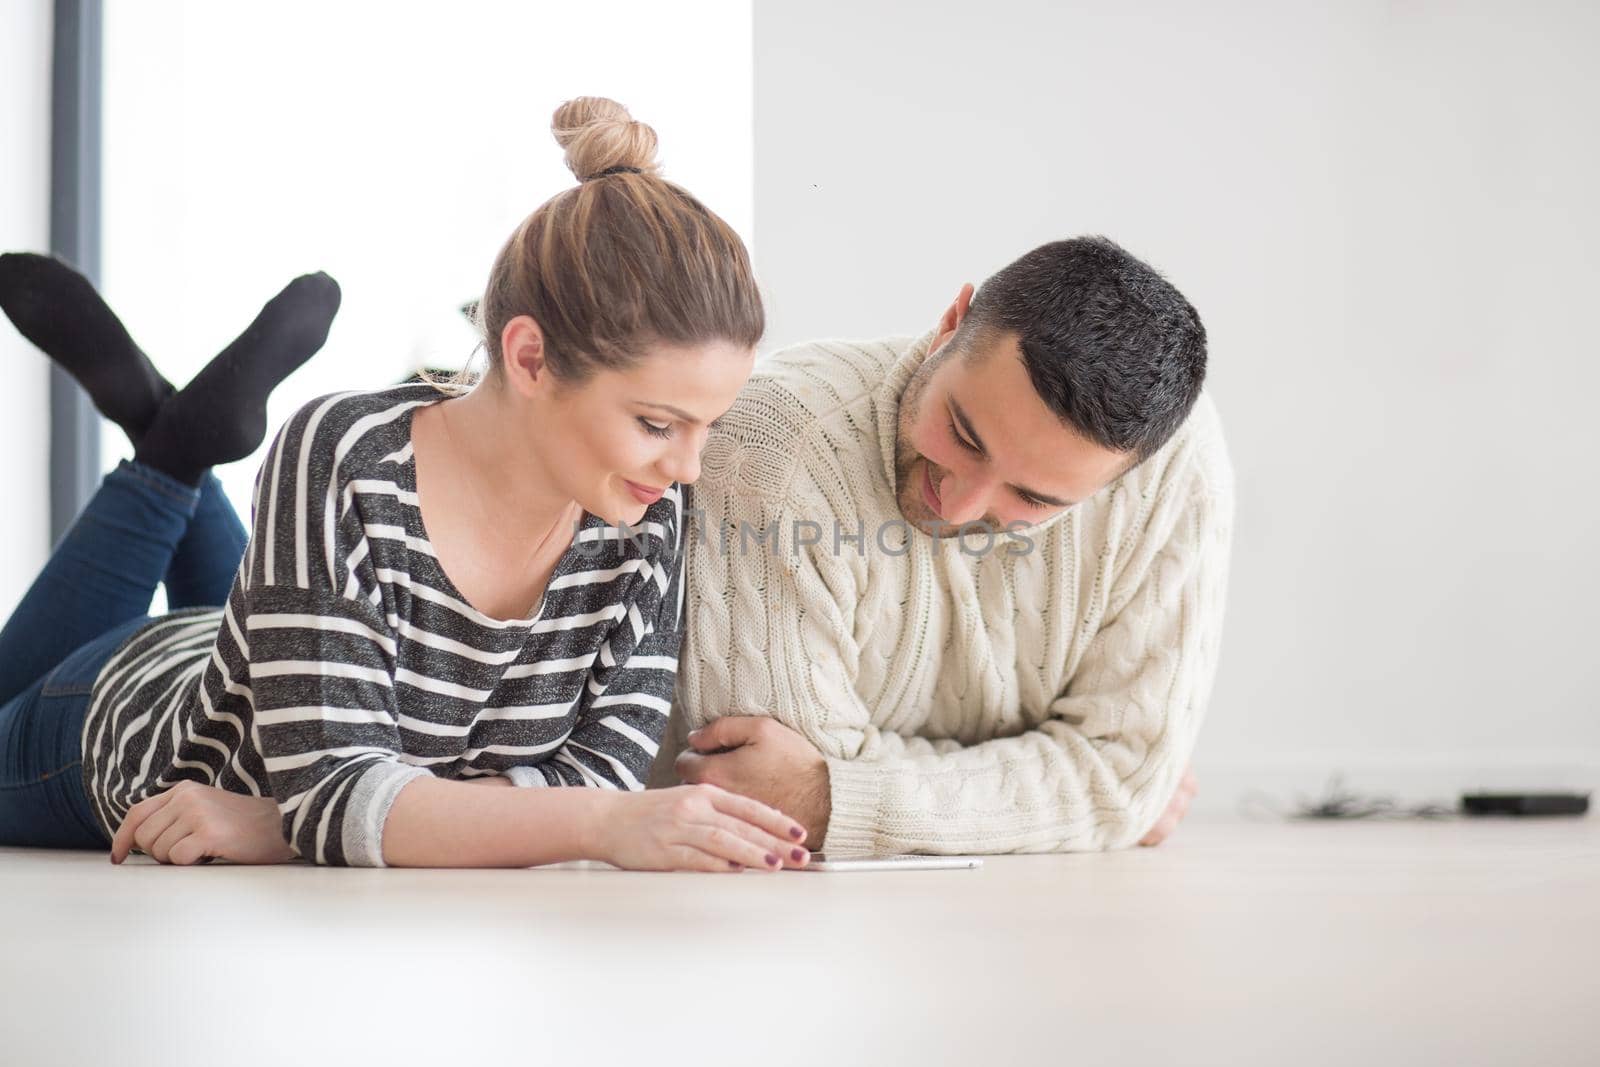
(370, 800)
(526, 777)
(856, 788)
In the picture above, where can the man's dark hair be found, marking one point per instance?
(1110, 345)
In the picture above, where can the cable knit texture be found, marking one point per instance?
(967, 701)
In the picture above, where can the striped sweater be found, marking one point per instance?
(346, 663)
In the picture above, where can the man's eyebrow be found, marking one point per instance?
(1044, 498)
(679, 412)
(966, 428)
(966, 425)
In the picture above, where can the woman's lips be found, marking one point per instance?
(644, 493)
(930, 495)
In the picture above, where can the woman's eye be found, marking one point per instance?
(653, 430)
(1032, 502)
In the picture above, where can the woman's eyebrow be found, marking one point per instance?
(679, 412)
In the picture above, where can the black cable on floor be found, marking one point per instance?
(1337, 802)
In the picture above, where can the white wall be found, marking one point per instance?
(25, 27)
(1386, 216)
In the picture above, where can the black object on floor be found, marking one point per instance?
(1524, 803)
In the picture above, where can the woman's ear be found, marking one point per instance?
(522, 351)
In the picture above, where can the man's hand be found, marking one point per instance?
(766, 761)
(1175, 812)
(193, 823)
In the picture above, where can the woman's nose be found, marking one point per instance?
(682, 464)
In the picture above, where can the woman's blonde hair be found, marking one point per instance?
(622, 261)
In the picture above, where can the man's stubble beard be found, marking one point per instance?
(907, 489)
(908, 485)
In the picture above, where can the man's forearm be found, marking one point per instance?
(1046, 789)
(439, 823)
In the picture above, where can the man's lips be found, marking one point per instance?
(930, 495)
(643, 493)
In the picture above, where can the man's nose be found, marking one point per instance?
(962, 500)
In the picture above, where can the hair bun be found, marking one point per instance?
(599, 134)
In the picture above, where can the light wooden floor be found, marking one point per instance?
(1239, 943)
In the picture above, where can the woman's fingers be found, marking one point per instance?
(722, 840)
(702, 828)
(788, 853)
(756, 813)
(689, 858)
(160, 825)
(123, 840)
(190, 850)
(178, 830)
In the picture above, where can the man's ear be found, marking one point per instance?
(950, 321)
(522, 351)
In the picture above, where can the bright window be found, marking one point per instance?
(393, 145)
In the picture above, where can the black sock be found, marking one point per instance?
(221, 415)
(57, 309)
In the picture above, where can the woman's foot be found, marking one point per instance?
(221, 415)
(57, 309)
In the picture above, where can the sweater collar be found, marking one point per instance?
(886, 401)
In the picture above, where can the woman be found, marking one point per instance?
(435, 599)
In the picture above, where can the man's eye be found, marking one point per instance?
(653, 430)
(962, 441)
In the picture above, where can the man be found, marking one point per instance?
(964, 593)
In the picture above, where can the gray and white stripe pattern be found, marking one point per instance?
(346, 663)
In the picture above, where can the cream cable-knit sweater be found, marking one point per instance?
(966, 701)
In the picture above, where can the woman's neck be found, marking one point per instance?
(501, 456)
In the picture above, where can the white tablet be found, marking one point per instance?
(821, 862)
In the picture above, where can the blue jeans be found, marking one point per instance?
(140, 529)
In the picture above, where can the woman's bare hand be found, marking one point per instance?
(700, 828)
(190, 823)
